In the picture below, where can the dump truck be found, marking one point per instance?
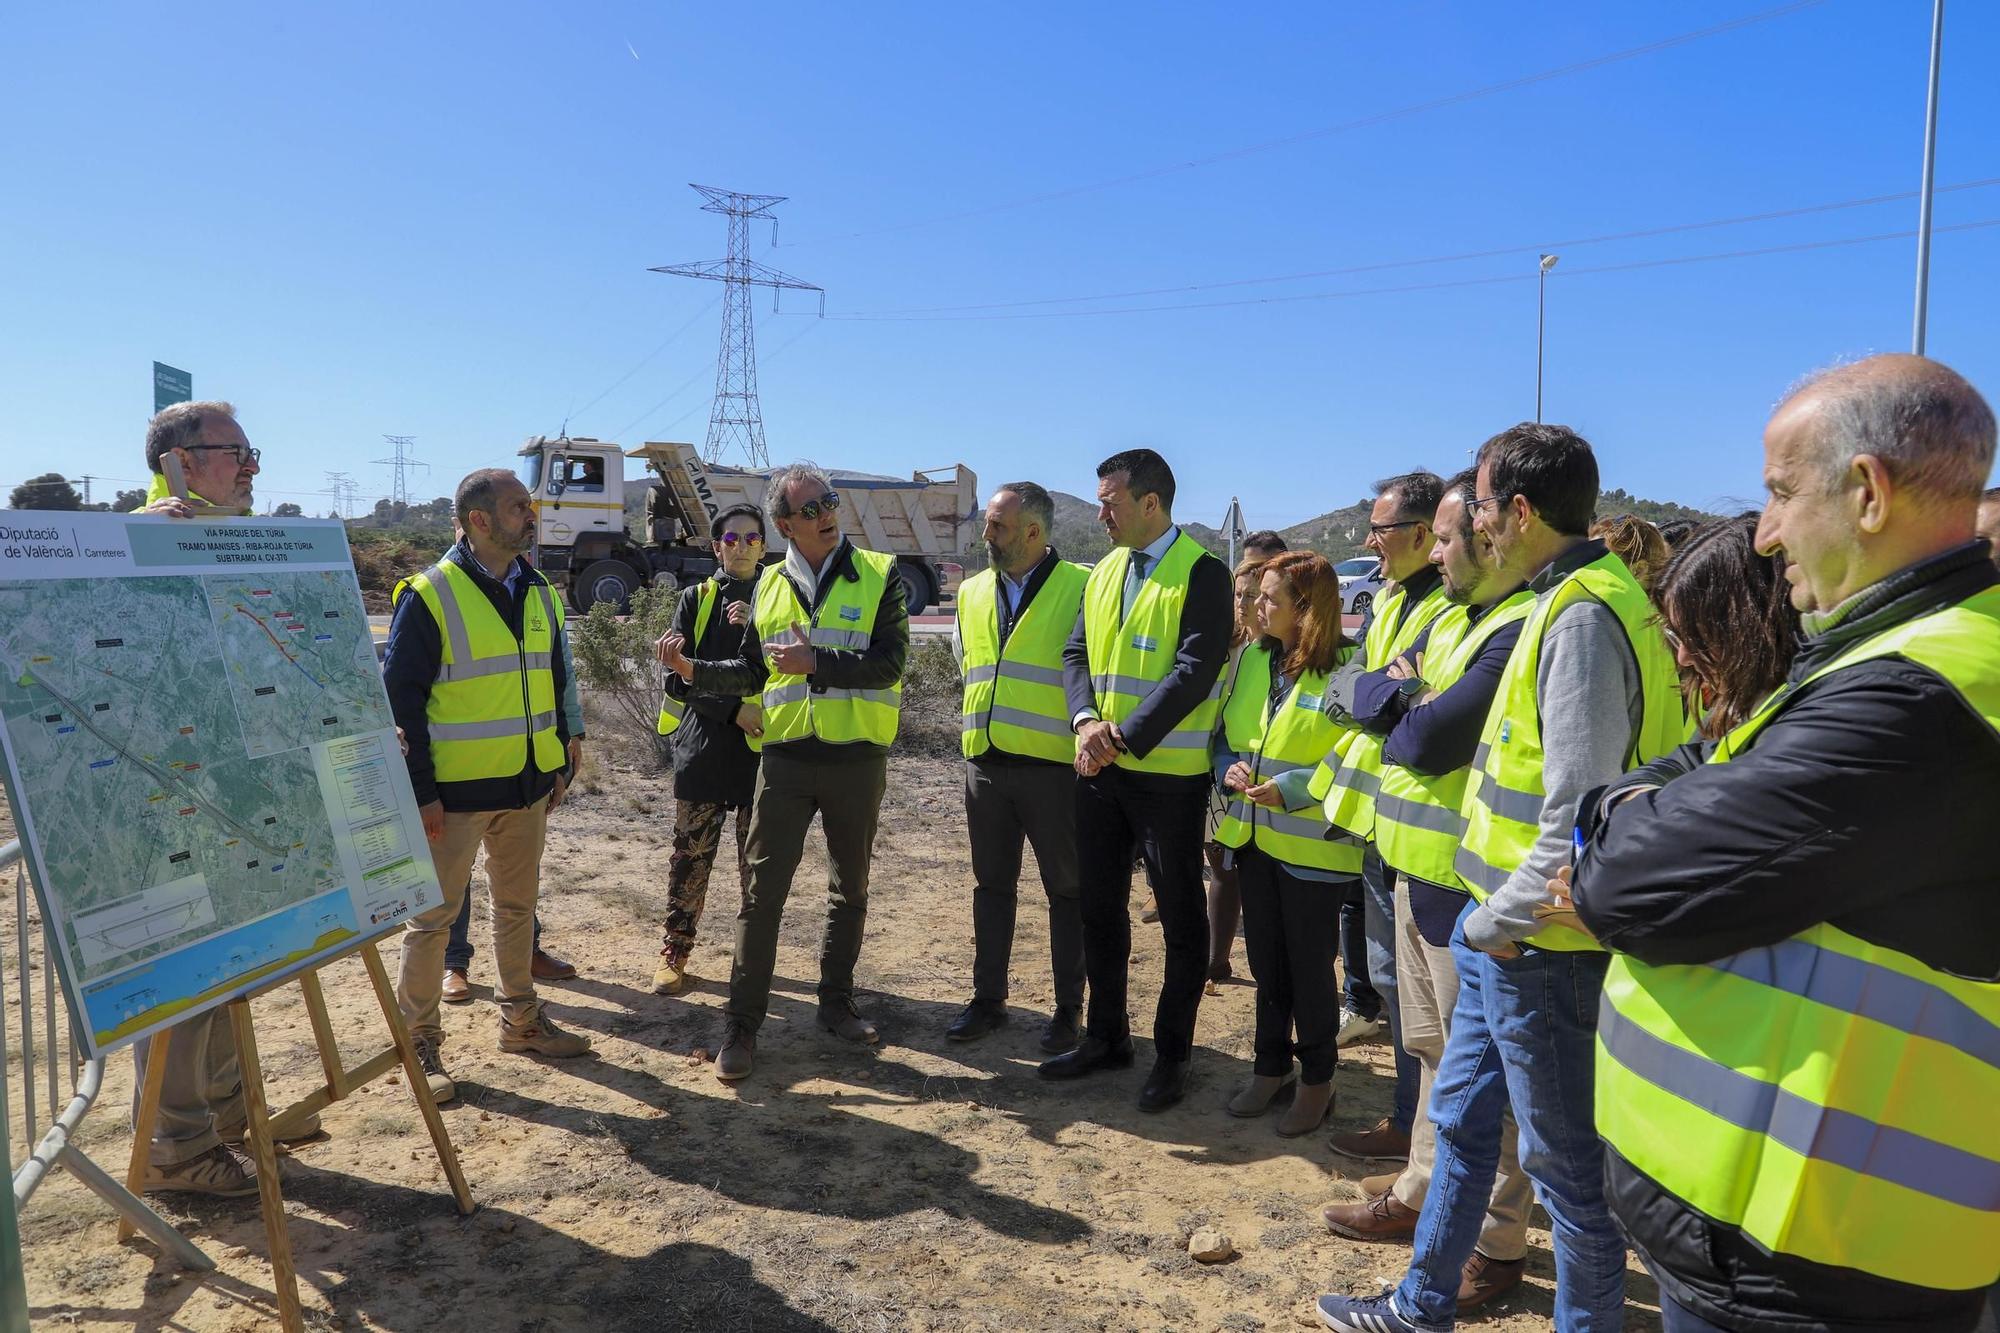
(585, 545)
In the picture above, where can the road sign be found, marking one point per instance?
(170, 386)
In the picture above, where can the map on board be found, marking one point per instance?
(201, 755)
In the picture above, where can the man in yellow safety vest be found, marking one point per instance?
(1798, 1063)
(1013, 619)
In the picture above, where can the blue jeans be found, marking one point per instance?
(1378, 889)
(1355, 992)
(1523, 1033)
(458, 945)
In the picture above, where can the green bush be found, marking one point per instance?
(614, 659)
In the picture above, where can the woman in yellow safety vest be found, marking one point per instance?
(1293, 867)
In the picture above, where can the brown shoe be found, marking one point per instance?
(1380, 1142)
(457, 990)
(1378, 1217)
(548, 967)
(221, 1171)
(738, 1055)
(1311, 1103)
(540, 1036)
(1373, 1185)
(1487, 1279)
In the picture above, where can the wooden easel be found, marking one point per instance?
(340, 1081)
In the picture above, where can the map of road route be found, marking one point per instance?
(209, 764)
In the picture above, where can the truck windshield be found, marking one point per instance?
(531, 471)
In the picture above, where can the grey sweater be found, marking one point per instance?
(1587, 690)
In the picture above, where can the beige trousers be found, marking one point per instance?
(202, 1083)
(1427, 990)
(513, 842)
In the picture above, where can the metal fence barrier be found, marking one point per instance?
(57, 1147)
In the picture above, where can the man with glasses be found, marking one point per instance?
(716, 737)
(212, 453)
(825, 643)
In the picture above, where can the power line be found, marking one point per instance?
(403, 461)
(645, 360)
(1364, 122)
(783, 347)
(1794, 248)
(1540, 247)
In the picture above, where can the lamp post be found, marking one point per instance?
(1924, 206)
(1541, 318)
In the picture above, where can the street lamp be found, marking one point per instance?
(1541, 317)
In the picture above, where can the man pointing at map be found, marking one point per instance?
(475, 673)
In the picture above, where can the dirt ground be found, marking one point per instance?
(922, 1185)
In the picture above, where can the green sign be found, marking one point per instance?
(170, 386)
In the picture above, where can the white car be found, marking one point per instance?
(1360, 581)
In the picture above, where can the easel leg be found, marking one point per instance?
(157, 1056)
(283, 1277)
(420, 1084)
(322, 1026)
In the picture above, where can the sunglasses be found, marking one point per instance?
(826, 504)
(750, 539)
(244, 453)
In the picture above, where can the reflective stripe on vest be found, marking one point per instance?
(1292, 739)
(792, 708)
(1831, 1097)
(1130, 656)
(1351, 790)
(1014, 700)
(494, 694)
(1417, 819)
(1504, 793)
(673, 711)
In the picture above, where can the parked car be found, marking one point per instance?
(1360, 580)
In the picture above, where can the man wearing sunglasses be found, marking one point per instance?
(825, 646)
(716, 737)
(213, 453)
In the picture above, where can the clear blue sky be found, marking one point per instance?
(436, 220)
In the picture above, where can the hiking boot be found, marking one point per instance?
(843, 1020)
(1310, 1105)
(1255, 1097)
(738, 1054)
(457, 987)
(221, 1172)
(540, 1036)
(1354, 1028)
(1487, 1279)
(547, 967)
(1380, 1142)
(670, 977)
(1378, 1217)
(232, 1123)
(431, 1060)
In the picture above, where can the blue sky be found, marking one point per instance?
(436, 220)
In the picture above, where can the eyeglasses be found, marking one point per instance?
(1673, 639)
(1378, 529)
(1489, 500)
(826, 504)
(748, 539)
(244, 453)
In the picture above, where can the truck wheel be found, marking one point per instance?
(606, 581)
(918, 592)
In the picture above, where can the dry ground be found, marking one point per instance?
(924, 1185)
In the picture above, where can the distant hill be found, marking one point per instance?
(1080, 537)
(1339, 533)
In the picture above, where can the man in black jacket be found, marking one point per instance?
(507, 813)
(1837, 857)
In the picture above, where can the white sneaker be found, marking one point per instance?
(1354, 1028)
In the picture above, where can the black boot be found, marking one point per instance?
(1166, 1085)
(1094, 1054)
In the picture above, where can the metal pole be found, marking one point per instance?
(1930, 165)
(1541, 316)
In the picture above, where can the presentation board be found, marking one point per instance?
(199, 756)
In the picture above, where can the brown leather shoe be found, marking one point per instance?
(1378, 1217)
(1487, 1279)
(1380, 1142)
(457, 990)
(1373, 1185)
(548, 967)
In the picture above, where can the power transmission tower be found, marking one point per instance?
(736, 417)
(342, 488)
(405, 459)
(86, 479)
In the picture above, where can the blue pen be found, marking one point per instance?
(1576, 845)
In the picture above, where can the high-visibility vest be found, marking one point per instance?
(1129, 655)
(792, 708)
(1293, 737)
(673, 711)
(1417, 819)
(1348, 788)
(495, 695)
(1246, 684)
(1834, 1099)
(1014, 698)
(1504, 794)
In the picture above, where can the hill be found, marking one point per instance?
(1339, 533)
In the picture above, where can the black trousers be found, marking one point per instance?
(1004, 804)
(1119, 813)
(1289, 928)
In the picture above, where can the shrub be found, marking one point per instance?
(614, 659)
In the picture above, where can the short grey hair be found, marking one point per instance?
(178, 426)
(1036, 503)
(775, 498)
(1924, 420)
